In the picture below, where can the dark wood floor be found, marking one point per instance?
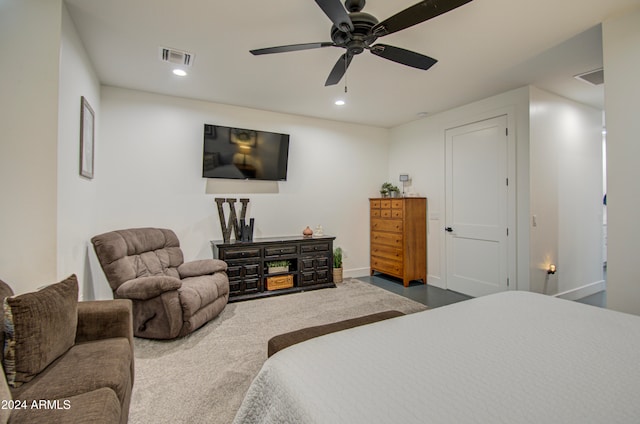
(434, 297)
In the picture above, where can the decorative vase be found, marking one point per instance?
(307, 232)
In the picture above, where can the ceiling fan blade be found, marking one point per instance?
(339, 69)
(415, 14)
(292, 48)
(402, 56)
(336, 12)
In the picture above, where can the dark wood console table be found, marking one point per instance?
(311, 264)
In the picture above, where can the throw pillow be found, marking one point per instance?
(39, 327)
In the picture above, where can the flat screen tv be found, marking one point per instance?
(239, 153)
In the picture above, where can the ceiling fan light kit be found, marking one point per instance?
(357, 31)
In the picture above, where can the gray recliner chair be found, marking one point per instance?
(171, 298)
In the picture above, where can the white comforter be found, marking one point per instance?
(514, 357)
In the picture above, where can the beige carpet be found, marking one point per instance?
(202, 378)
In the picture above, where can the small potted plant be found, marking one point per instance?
(337, 265)
(389, 190)
(277, 266)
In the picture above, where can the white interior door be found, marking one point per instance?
(476, 207)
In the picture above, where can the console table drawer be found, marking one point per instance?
(307, 278)
(315, 247)
(314, 277)
(322, 276)
(252, 270)
(251, 285)
(241, 253)
(313, 263)
(236, 270)
(244, 285)
(234, 287)
(243, 279)
(281, 250)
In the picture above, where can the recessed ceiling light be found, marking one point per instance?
(339, 102)
(179, 72)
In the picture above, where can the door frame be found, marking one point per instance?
(512, 253)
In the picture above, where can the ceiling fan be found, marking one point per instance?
(356, 31)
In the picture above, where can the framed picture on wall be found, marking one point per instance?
(87, 135)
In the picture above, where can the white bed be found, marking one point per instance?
(513, 357)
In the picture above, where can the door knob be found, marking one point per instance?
(448, 229)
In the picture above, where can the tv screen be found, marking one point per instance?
(239, 153)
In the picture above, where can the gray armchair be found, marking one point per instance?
(170, 298)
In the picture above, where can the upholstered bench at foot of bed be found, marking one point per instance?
(282, 341)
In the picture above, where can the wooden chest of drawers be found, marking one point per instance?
(399, 237)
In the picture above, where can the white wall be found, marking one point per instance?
(149, 166)
(49, 212)
(29, 42)
(621, 41)
(77, 196)
(418, 148)
(566, 195)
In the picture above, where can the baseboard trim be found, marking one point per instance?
(436, 281)
(356, 272)
(584, 291)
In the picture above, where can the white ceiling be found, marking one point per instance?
(484, 47)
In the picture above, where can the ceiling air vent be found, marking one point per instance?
(179, 57)
(595, 77)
